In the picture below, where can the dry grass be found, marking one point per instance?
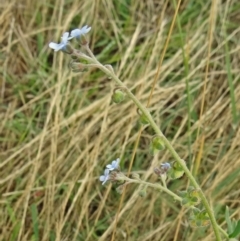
(59, 129)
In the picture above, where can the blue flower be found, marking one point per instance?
(165, 166)
(104, 177)
(76, 33)
(62, 45)
(114, 165)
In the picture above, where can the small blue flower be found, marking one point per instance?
(165, 166)
(62, 45)
(114, 165)
(104, 177)
(76, 33)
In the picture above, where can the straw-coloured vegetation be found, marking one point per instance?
(59, 129)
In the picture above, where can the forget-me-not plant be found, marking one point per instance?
(190, 198)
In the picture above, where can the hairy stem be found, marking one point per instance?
(165, 189)
(155, 185)
(169, 146)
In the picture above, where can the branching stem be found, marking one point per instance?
(169, 146)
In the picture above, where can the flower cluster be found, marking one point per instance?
(190, 197)
(110, 167)
(76, 33)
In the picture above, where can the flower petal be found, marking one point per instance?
(106, 172)
(109, 166)
(65, 37)
(166, 165)
(102, 178)
(55, 46)
(116, 163)
(85, 29)
(75, 33)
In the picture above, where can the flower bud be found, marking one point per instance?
(77, 67)
(163, 169)
(199, 218)
(194, 193)
(176, 171)
(83, 40)
(158, 143)
(118, 96)
(157, 171)
(142, 117)
(142, 193)
(190, 197)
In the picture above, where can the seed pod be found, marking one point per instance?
(118, 96)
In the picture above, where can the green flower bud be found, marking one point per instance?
(190, 197)
(199, 218)
(118, 96)
(176, 171)
(194, 193)
(142, 193)
(158, 143)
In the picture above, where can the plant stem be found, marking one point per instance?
(165, 189)
(165, 140)
(169, 147)
(154, 185)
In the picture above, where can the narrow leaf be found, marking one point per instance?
(34, 213)
(228, 220)
(236, 231)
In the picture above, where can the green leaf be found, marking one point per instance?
(228, 220)
(34, 213)
(236, 231)
(182, 194)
